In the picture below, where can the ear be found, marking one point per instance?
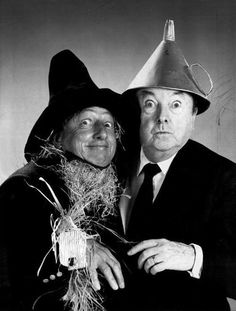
(195, 111)
(57, 139)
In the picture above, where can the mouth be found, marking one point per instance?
(162, 133)
(101, 147)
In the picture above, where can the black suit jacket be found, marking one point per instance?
(196, 204)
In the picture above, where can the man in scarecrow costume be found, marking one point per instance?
(56, 209)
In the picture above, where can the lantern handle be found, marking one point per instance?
(208, 75)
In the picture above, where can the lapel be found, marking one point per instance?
(176, 200)
(180, 176)
(176, 207)
(130, 192)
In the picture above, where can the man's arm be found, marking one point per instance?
(217, 239)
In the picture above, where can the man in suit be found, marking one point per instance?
(184, 256)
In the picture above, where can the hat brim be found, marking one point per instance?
(132, 112)
(62, 107)
(200, 102)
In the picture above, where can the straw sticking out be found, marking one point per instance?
(169, 31)
(92, 195)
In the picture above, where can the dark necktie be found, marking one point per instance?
(141, 212)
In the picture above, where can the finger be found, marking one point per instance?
(149, 263)
(145, 255)
(142, 246)
(152, 261)
(158, 267)
(109, 266)
(94, 279)
(116, 268)
(107, 272)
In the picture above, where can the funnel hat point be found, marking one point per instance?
(167, 68)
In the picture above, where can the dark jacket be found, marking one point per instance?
(26, 216)
(27, 234)
(196, 204)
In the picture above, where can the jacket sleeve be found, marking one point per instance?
(27, 240)
(219, 247)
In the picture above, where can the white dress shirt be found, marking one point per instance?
(128, 197)
(158, 178)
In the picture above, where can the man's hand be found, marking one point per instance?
(102, 259)
(157, 255)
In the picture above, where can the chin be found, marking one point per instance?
(100, 163)
(163, 146)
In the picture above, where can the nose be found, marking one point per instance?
(162, 115)
(99, 131)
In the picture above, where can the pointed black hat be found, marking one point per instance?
(71, 90)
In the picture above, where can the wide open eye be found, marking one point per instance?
(149, 105)
(85, 123)
(109, 124)
(175, 105)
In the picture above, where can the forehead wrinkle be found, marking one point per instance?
(102, 113)
(145, 92)
(181, 93)
(151, 91)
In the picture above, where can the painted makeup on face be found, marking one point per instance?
(91, 136)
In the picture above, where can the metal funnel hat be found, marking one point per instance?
(167, 68)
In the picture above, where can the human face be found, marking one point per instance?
(90, 135)
(167, 121)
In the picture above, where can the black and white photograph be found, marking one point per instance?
(118, 155)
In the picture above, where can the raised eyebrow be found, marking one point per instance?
(145, 92)
(178, 93)
(104, 114)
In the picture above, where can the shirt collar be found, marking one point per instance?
(164, 165)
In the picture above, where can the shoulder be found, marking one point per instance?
(26, 172)
(18, 183)
(195, 161)
(201, 156)
(30, 171)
